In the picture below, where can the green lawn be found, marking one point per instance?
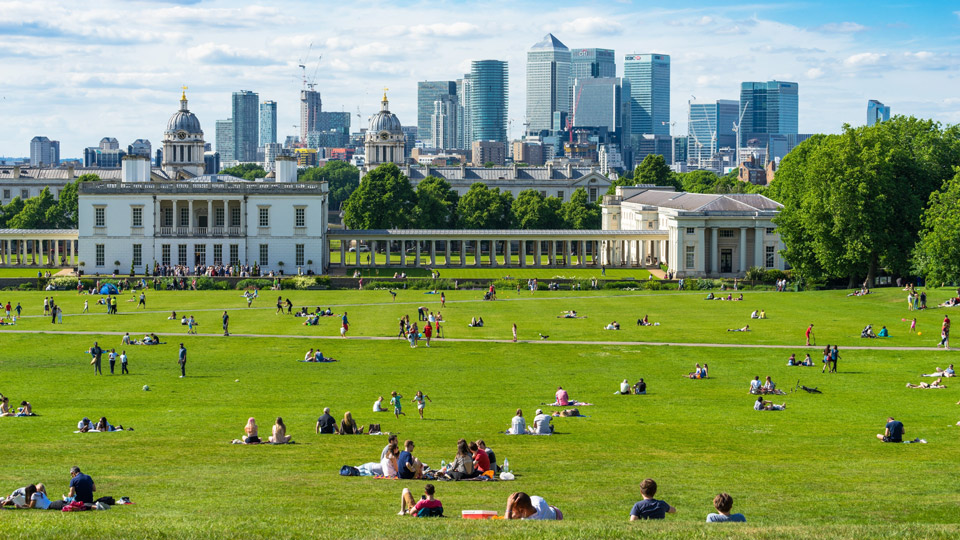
(27, 271)
(812, 471)
(517, 273)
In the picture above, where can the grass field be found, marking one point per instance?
(27, 272)
(812, 471)
(516, 273)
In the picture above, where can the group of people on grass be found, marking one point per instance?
(638, 389)
(25, 409)
(102, 426)
(792, 361)
(413, 334)
(699, 372)
(34, 496)
(519, 506)
(766, 387)
(251, 433)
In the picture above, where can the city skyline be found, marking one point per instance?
(840, 55)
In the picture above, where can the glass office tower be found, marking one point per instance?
(488, 93)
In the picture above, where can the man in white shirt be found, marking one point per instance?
(755, 385)
(541, 423)
(624, 387)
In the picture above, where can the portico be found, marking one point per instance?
(38, 247)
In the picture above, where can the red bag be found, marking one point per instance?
(75, 506)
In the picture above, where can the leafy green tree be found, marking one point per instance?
(34, 212)
(484, 208)
(89, 177)
(579, 213)
(436, 204)
(384, 200)
(937, 254)
(247, 171)
(532, 210)
(10, 210)
(853, 201)
(341, 177)
(698, 181)
(654, 170)
(64, 214)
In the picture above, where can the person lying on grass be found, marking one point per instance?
(476, 322)
(941, 372)
(744, 329)
(566, 413)
(612, 326)
(103, 425)
(762, 405)
(935, 384)
(570, 315)
(319, 357)
(523, 506)
(427, 506)
(645, 321)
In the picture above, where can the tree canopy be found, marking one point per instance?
(937, 254)
(247, 171)
(579, 213)
(341, 177)
(436, 204)
(485, 208)
(384, 200)
(532, 210)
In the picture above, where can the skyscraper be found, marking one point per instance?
(44, 152)
(268, 122)
(246, 122)
(428, 92)
(464, 120)
(488, 98)
(649, 76)
(309, 112)
(709, 128)
(877, 112)
(443, 122)
(768, 108)
(140, 147)
(548, 82)
(592, 63)
(224, 139)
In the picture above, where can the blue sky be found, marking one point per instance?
(78, 71)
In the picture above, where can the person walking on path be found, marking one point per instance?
(344, 325)
(514, 332)
(96, 352)
(182, 360)
(279, 306)
(86, 306)
(59, 315)
(143, 300)
(443, 300)
(123, 363)
(226, 323)
(113, 359)
(810, 335)
(19, 309)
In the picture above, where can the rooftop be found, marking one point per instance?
(203, 187)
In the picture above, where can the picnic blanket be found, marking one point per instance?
(573, 402)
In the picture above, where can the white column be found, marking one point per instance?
(417, 261)
(758, 247)
(522, 252)
(743, 249)
(433, 253)
(387, 250)
(56, 252)
(403, 252)
(209, 215)
(446, 252)
(176, 216)
(463, 253)
(493, 252)
(190, 216)
(507, 256)
(714, 251)
(479, 253)
(343, 253)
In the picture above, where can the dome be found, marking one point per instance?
(385, 120)
(183, 120)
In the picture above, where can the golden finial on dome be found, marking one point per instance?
(385, 93)
(183, 96)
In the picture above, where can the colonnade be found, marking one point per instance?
(31, 249)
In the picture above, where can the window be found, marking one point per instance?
(299, 255)
(99, 258)
(166, 215)
(770, 256)
(137, 216)
(234, 217)
(165, 254)
(234, 254)
(726, 233)
(691, 230)
(300, 217)
(182, 254)
(6, 194)
(199, 254)
(593, 194)
(218, 216)
(691, 257)
(24, 193)
(543, 193)
(264, 216)
(137, 254)
(560, 194)
(184, 217)
(264, 254)
(769, 231)
(100, 217)
(218, 254)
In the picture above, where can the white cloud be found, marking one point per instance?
(457, 29)
(814, 73)
(215, 53)
(864, 59)
(843, 27)
(591, 25)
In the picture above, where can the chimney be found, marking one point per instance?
(16, 172)
(285, 169)
(71, 174)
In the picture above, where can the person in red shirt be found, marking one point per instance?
(427, 332)
(431, 506)
(481, 461)
(809, 333)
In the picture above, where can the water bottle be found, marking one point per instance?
(443, 464)
(506, 465)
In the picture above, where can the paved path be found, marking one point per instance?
(469, 340)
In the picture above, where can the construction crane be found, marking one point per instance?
(573, 117)
(736, 128)
(301, 63)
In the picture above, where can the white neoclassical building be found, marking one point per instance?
(194, 219)
(702, 235)
(385, 141)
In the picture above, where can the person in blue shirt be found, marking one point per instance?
(893, 431)
(650, 508)
(723, 503)
(344, 325)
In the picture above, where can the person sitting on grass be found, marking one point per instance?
(941, 372)
(173, 316)
(309, 356)
(541, 423)
(378, 405)
(624, 388)
(481, 461)
(640, 388)
(709, 296)
(867, 332)
(645, 321)
(280, 433)
(650, 508)
(755, 314)
(427, 506)
(935, 384)
(326, 424)
(762, 405)
(763, 314)
(408, 467)
(25, 409)
(792, 361)
(612, 326)
(892, 432)
(756, 387)
(769, 387)
(807, 361)
(523, 506)
(491, 456)
(251, 432)
(388, 463)
(744, 329)
(883, 332)
(462, 466)
(39, 499)
(697, 373)
(518, 425)
(348, 426)
(723, 502)
(5, 407)
(562, 398)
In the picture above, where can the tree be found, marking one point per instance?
(34, 212)
(654, 170)
(532, 210)
(63, 215)
(853, 201)
(698, 181)
(384, 200)
(937, 254)
(10, 210)
(484, 208)
(89, 177)
(341, 177)
(247, 171)
(579, 213)
(436, 204)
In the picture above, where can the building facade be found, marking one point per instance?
(876, 112)
(140, 147)
(428, 93)
(183, 146)
(443, 123)
(550, 181)
(310, 105)
(592, 63)
(484, 152)
(268, 122)
(706, 235)
(246, 125)
(649, 76)
(548, 83)
(44, 152)
(710, 128)
(488, 98)
(208, 220)
(224, 140)
(768, 108)
(385, 141)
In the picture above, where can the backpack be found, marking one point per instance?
(347, 470)
(106, 500)
(430, 512)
